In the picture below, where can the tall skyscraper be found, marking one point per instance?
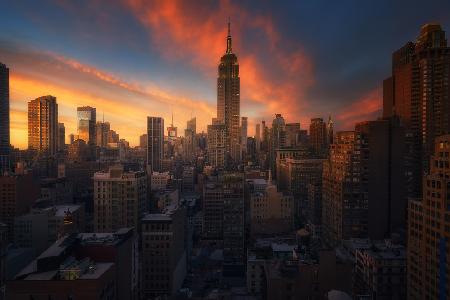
(228, 99)
(61, 136)
(418, 92)
(4, 118)
(244, 124)
(102, 132)
(192, 125)
(429, 230)
(258, 137)
(318, 135)
(363, 183)
(292, 134)
(330, 131)
(87, 119)
(43, 125)
(277, 140)
(155, 143)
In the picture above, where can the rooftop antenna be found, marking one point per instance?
(229, 38)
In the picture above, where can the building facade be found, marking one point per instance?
(418, 93)
(318, 136)
(429, 230)
(43, 125)
(86, 121)
(119, 199)
(155, 143)
(216, 143)
(17, 194)
(164, 258)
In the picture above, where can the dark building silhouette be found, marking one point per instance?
(318, 135)
(164, 261)
(155, 143)
(363, 183)
(418, 92)
(4, 118)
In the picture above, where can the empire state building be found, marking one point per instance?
(228, 99)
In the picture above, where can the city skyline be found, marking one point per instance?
(142, 71)
(330, 199)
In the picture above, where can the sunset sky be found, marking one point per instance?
(135, 58)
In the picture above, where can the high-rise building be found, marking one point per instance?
(277, 140)
(164, 257)
(43, 125)
(318, 136)
(189, 145)
(428, 258)
(292, 134)
(190, 141)
(119, 199)
(4, 118)
(294, 176)
(363, 183)
(61, 137)
(418, 93)
(228, 99)
(102, 133)
(258, 137)
(172, 131)
(330, 131)
(113, 136)
(192, 125)
(244, 124)
(155, 143)
(216, 144)
(87, 119)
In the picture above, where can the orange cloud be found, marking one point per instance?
(366, 108)
(275, 77)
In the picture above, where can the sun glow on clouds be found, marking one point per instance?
(276, 73)
(273, 75)
(125, 105)
(366, 108)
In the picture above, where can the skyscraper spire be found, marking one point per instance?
(229, 50)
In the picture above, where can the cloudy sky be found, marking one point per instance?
(136, 58)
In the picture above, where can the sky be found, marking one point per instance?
(136, 58)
